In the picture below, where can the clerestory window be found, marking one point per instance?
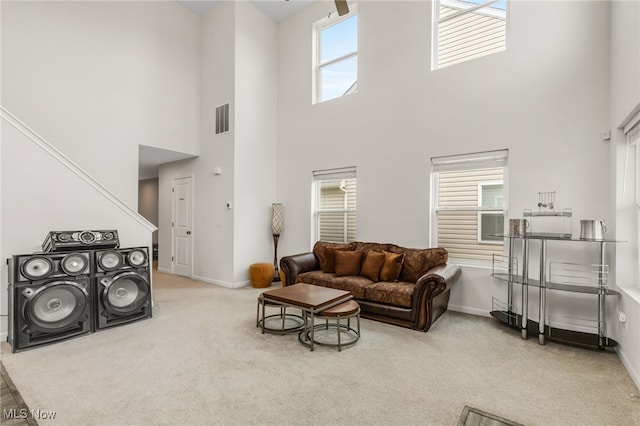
(467, 29)
(336, 56)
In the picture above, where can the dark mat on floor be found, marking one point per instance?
(14, 410)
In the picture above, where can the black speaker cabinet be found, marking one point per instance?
(122, 286)
(80, 240)
(50, 298)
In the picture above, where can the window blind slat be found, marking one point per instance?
(480, 160)
(339, 173)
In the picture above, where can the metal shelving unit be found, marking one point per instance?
(566, 277)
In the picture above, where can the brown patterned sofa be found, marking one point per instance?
(397, 285)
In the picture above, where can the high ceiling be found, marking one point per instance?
(278, 10)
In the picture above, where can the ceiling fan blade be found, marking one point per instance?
(342, 7)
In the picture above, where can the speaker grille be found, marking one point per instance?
(137, 258)
(37, 268)
(74, 264)
(56, 305)
(126, 294)
(87, 237)
(110, 260)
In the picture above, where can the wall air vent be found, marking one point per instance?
(222, 119)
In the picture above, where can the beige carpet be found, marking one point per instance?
(200, 360)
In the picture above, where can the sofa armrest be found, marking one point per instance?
(298, 264)
(437, 280)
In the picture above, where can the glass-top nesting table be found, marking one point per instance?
(310, 299)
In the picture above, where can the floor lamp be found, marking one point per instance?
(277, 221)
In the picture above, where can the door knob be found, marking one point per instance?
(188, 232)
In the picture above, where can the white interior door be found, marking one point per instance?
(182, 227)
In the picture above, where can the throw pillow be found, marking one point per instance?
(320, 248)
(348, 262)
(372, 265)
(329, 265)
(392, 265)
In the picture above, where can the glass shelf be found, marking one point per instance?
(531, 282)
(588, 340)
(528, 213)
(552, 236)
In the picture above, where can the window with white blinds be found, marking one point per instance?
(334, 204)
(469, 204)
(469, 29)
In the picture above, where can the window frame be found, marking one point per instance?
(636, 145)
(318, 65)
(631, 131)
(435, 208)
(494, 211)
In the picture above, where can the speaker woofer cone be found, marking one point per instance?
(110, 260)
(56, 306)
(137, 258)
(87, 237)
(74, 264)
(64, 237)
(126, 294)
(37, 268)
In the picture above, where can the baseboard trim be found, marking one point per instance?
(467, 310)
(221, 283)
(225, 284)
(635, 375)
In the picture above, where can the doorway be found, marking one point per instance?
(150, 160)
(182, 226)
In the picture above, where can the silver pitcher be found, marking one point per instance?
(518, 227)
(592, 229)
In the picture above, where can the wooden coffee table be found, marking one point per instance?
(311, 299)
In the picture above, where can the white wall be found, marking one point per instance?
(255, 137)
(545, 99)
(213, 239)
(548, 104)
(625, 96)
(97, 79)
(238, 66)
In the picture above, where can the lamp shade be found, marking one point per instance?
(277, 218)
